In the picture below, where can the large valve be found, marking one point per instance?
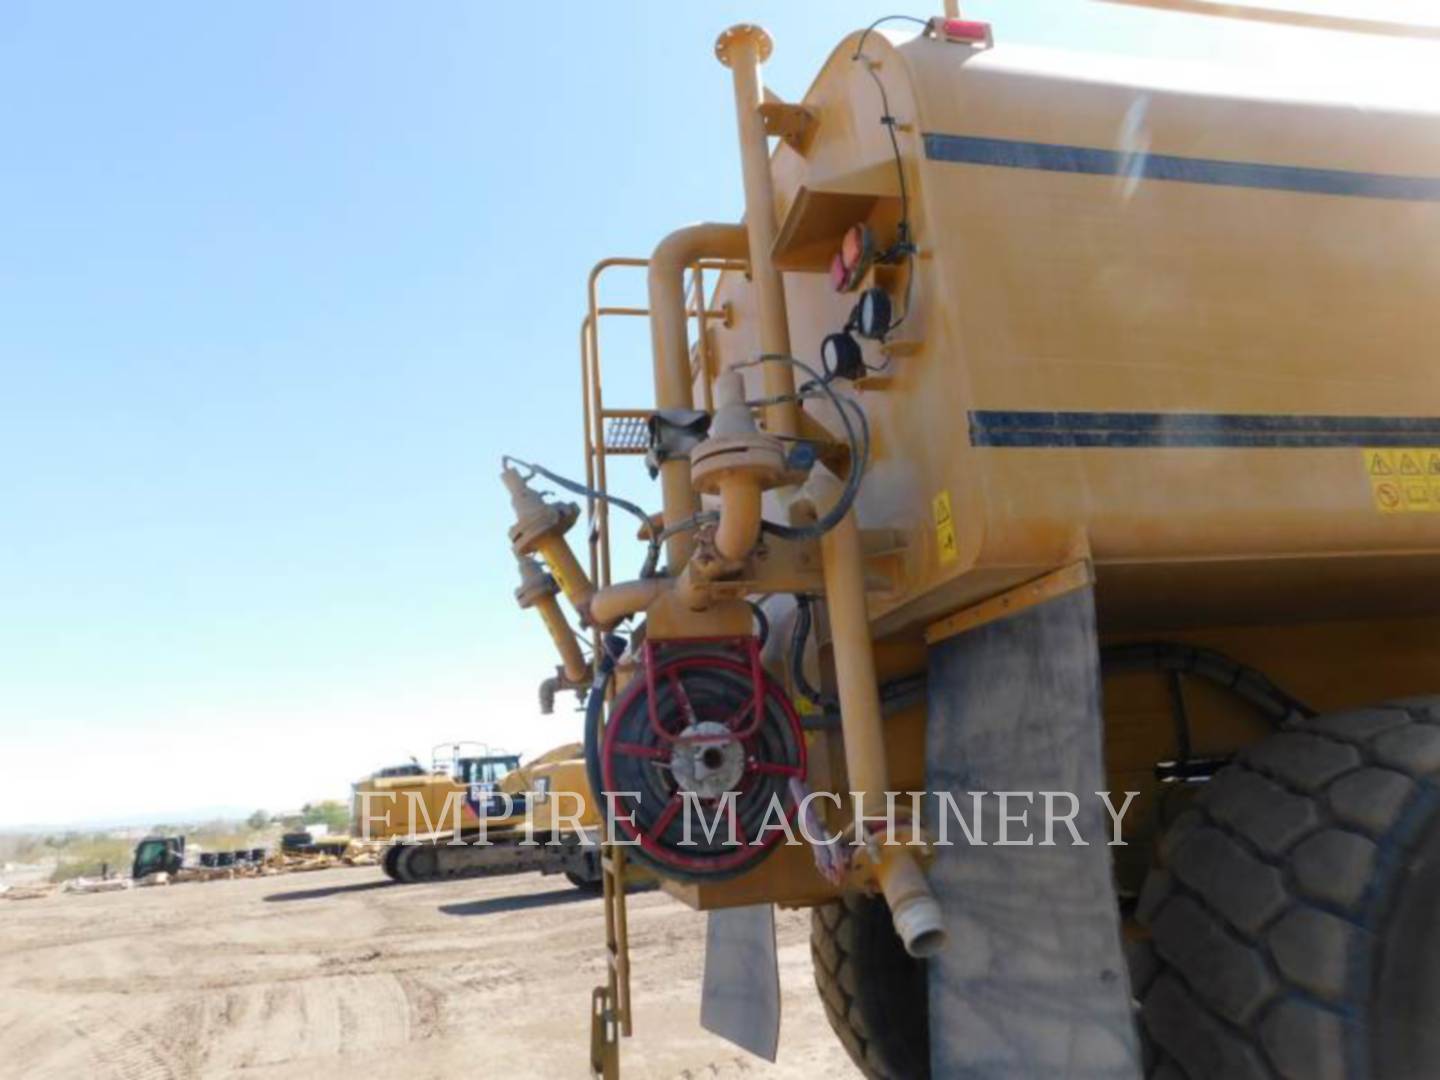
(703, 724)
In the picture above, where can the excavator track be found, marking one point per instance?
(444, 859)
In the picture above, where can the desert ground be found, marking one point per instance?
(315, 974)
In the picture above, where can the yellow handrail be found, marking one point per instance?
(592, 395)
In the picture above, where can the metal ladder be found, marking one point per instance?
(610, 1004)
(611, 431)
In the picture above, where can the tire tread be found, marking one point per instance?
(1266, 908)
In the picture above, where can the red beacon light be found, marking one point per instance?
(857, 252)
(967, 32)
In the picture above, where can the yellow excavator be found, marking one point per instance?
(477, 812)
(1056, 439)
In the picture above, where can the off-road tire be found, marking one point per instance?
(876, 995)
(1293, 911)
(389, 860)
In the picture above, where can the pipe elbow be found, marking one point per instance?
(919, 920)
(670, 349)
(738, 530)
(705, 240)
(613, 603)
(665, 282)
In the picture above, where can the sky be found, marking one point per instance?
(279, 284)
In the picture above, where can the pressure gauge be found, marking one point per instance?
(872, 314)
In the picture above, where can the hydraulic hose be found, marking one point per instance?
(611, 646)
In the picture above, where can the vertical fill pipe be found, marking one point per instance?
(743, 49)
(913, 907)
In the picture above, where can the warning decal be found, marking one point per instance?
(944, 528)
(1404, 480)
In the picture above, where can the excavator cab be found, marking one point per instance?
(481, 778)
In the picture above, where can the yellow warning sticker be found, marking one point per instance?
(1404, 480)
(944, 528)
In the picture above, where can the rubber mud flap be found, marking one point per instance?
(1033, 983)
(740, 1000)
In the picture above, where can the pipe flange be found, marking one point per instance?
(756, 455)
(535, 519)
(543, 520)
(741, 33)
(708, 759)
(535, 584)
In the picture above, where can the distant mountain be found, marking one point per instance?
(141, 819)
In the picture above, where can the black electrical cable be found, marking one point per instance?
(693, 522)
(898, 693)
(858, 467)
(865, 34)
(762, 622)
(612, 646)
(1248, 683)
(656, 536)
(804, 620)
(859, 455)
(577, 488)
(903, 244)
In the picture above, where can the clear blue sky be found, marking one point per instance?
(279, 282)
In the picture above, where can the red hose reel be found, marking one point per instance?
(703, 723)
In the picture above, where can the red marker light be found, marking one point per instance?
(855, 249)
(968, 31)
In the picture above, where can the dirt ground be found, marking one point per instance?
(307, 974)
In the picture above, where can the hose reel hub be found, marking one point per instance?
(708, 760)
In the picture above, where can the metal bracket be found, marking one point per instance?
(793, 124)
(1056, 583)
(673, 434)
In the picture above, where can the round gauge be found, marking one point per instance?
(873, 315)
(840, 357)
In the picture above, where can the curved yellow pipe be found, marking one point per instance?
(670, 348)
(614, 602)
(738, 530)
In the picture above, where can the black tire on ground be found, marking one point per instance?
(876, 995)
(584, 884)
(1293, 913)
(388, 861)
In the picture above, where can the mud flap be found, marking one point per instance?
(1033, 983)
(741, 997)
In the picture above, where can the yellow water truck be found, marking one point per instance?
(1054, 428)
